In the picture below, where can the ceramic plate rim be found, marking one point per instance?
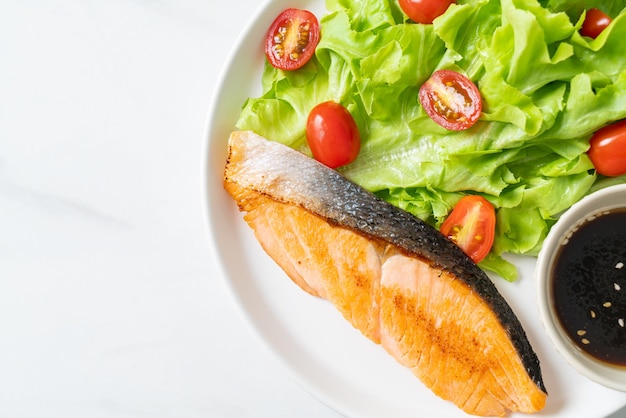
(218, 211)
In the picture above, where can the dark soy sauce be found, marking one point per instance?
(590, 286)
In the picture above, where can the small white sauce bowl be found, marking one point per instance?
(611, 376)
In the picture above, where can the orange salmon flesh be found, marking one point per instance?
(451, 336)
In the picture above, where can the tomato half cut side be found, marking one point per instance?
(451, 100)
(424, 11)
(332, 134)
(472, 226)
(291, 39)
(595, 22)
(607, 149)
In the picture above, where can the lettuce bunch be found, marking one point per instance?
(545, 90)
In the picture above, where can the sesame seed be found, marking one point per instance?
(593, 314)
(607, 304)
(621, 322)
(616, 286)
(619, 265)
(584, 341)
(581, 332)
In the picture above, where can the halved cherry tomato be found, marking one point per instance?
(424, 11)
(472, 225)
(332, 134)
(451, 100)
(291, 39)
(607, 149)
(595, 22)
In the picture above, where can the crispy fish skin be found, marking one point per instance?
(394, 277)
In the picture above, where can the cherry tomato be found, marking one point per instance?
(424, 11)
(332, 134)
(594, 23)
(607, 149)
(451, 100)
(472, 225)
(291, 40)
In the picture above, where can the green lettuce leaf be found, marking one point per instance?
(545, 90)
(574, 8)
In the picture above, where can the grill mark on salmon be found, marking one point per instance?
(394, 277)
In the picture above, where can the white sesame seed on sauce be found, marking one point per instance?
(596, 320)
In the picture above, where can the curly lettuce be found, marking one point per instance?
(545, 90)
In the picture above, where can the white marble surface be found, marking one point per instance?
(109, 303)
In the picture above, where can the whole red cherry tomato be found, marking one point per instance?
(607, 149)
(332, 134)
(451, 100)
(595, 22)
(291, 39)
(472, 225)
(424, 11)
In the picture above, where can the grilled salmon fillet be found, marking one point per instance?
(392, 276)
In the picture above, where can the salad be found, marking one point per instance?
(545, 90)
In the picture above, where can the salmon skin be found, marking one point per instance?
(394, 277)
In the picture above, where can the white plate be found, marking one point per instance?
(325, 354)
